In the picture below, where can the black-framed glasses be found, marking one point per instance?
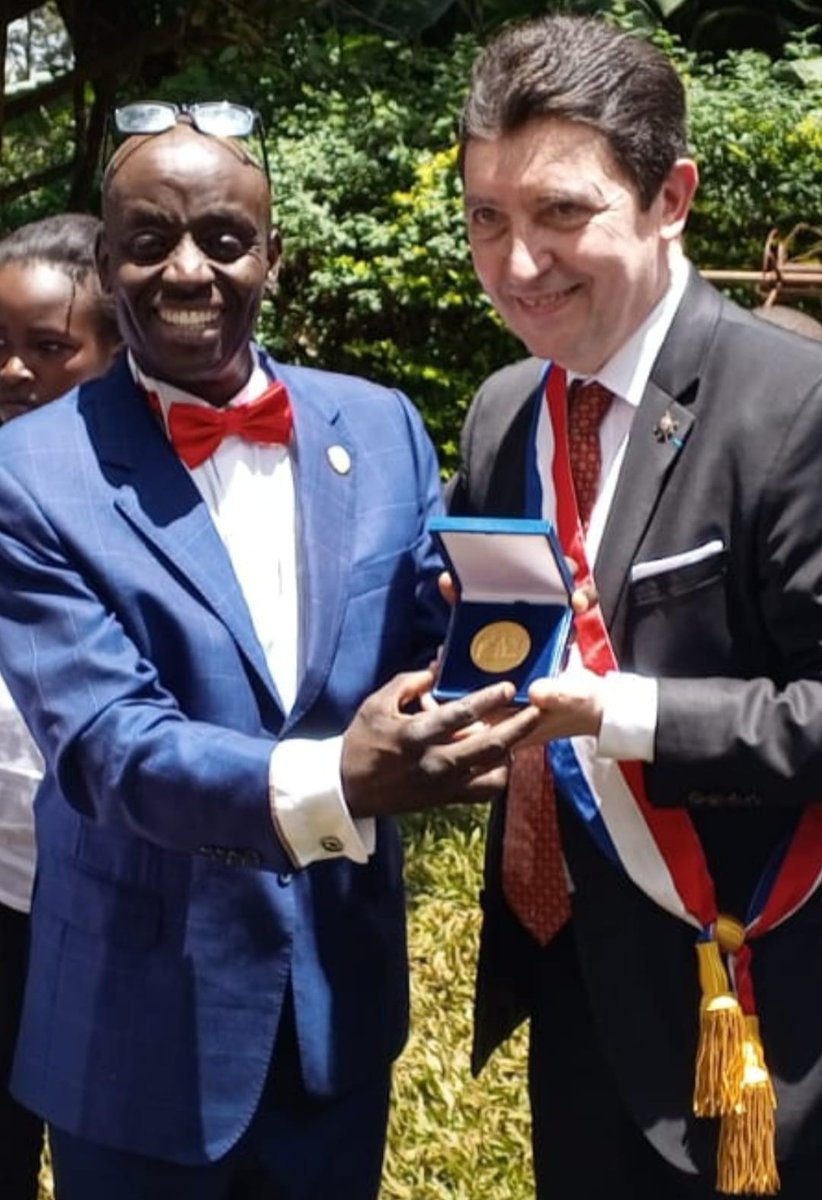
(217, 118)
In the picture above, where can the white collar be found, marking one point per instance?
(627, 372)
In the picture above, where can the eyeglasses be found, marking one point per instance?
(217, 118)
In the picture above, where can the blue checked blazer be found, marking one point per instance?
(167, 919)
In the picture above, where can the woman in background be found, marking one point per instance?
(56, 330)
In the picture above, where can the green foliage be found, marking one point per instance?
(720, 26)
(39, 140)
(757, 135)
(377, 277)
(714, 26)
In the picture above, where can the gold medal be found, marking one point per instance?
(500, 646)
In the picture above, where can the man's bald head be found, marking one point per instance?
(181, 130)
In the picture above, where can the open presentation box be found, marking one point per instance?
(512, 617)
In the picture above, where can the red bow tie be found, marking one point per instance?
(196, 431)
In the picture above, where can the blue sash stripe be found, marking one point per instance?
(573, 787)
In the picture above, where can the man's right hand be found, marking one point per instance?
(394, 761)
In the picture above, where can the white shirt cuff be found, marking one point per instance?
(629, 716)
(307, 805)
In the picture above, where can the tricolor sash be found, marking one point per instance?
(660, 851)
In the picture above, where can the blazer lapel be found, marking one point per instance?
(649, 458)
(325, 473)
(155, 494)
(661, 427)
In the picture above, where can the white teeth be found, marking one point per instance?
(541, 301)
(189, 317)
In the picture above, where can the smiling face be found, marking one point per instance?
(186, 249)
(50, 338)
(560, 243)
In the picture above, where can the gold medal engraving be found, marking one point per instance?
(500, 646)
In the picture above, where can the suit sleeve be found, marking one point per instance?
(121, 750)
(759, 740)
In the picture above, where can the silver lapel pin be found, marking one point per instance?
(666, 428)
(340, 459)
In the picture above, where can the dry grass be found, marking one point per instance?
(451, 1137)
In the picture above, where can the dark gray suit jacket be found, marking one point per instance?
(736, 641)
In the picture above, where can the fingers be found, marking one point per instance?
(439, 724)
(486, 749)
(448, 589)
(571, 703)
(402, 689)
(585, 595)
(485, 785)
(583, 598)
(393, 761)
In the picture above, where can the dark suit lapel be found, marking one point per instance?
(662, 425)
(495, 444)
(326, 467)
(155, 494)
(649, 459)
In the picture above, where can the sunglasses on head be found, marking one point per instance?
(217, 118)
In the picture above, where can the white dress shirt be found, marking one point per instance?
(21, 769)
(630, 702)
(249, 491)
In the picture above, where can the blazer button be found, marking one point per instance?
(284, 878)
(331, 844)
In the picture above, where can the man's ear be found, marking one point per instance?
(103, 261)
(675, 197)
(275, 258)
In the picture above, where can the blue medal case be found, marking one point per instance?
(503, 570)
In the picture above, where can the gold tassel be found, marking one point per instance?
(719, 1059)
(747, 1156)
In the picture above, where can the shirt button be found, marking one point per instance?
(331, 844)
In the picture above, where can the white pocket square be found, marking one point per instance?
(659, 566)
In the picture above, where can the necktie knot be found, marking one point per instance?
(588, 403)
(196, 431)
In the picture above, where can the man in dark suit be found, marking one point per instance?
(209, 560)
(703, 530)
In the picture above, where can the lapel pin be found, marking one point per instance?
(340, 459)
(665, 429)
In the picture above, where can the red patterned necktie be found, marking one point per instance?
(587, 405)
(533, 872)
(196, 431)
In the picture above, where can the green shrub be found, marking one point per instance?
(377, 277)
(757, 133)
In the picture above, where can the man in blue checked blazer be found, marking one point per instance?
(213, 567)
